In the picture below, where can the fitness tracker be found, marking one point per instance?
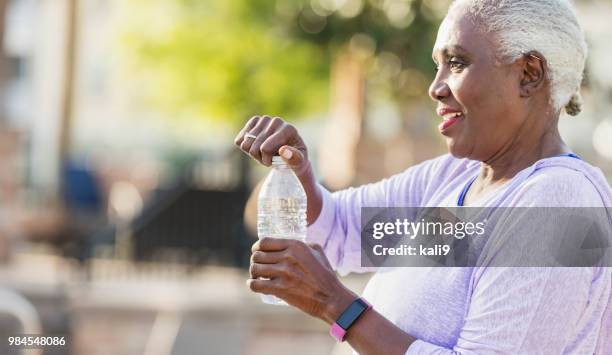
(348, 317)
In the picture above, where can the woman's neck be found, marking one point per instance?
(529, 147)
(502, 168)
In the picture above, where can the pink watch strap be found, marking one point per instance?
(337, 332)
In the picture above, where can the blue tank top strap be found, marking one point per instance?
(571, 155)
(465, 190)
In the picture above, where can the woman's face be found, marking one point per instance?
(478, 97)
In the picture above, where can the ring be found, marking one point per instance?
(249, 135)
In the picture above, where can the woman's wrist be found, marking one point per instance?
(337, 304)
(313, 193)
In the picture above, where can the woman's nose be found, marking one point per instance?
(438, 90)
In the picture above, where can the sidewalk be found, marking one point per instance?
(124, 311)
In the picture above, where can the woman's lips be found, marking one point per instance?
(448, 122)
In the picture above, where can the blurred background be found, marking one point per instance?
(122, 195)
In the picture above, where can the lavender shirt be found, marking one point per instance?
(480, 310)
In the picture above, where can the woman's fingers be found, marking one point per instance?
(266, 135)
(268, 244)
(292, 156)
(269, 148)
(250, 124)
(267, 271)
(266, 287)
(251, 135)
(262, 137)
(262, 257)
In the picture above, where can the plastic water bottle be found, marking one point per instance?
(281, 209)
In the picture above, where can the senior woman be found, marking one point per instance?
(505, 71)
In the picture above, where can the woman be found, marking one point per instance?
(505, 70)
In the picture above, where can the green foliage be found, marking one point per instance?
(406, 28)
(221, 60)
(229, 59)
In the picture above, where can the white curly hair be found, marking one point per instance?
(549, 27)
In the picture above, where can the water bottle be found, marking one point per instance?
(281, 209)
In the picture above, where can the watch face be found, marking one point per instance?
(351, 314)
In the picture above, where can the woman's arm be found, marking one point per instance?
(374, 334)
(301, 275)
(512, 310)
(334, 219)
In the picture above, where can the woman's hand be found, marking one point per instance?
(264, 137)
(299, 274)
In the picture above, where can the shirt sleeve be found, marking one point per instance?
(338, 227)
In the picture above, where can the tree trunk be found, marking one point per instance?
(3, 58)
(67, 87)
(8, 154)
(337, 151)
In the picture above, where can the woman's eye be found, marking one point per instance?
(456, 65)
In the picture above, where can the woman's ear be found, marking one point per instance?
(533, 66)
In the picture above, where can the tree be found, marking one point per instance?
(380, 44)
(222, 60)
(227, 60)
(396, 35)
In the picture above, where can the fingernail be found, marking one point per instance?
(287, 153)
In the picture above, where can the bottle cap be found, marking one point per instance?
(277, 160)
